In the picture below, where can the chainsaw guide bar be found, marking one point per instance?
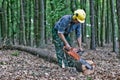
(80, 66)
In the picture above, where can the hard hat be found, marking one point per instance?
(80, 15)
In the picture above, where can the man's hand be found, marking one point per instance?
(67, 46)
(80, 49)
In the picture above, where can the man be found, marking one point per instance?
(62, 28)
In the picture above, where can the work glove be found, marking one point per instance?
(67, 47)
(87, 65)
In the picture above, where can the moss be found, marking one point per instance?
(16, 53)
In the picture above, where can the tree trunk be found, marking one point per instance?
(102, 24)
(108, 23)
(83, 26)
(35, 51)
(29, 22)
(72, 8)
(12, 26)
(36, 16)
(45, 22)
(8, 18)
(52, 9)
(17, 41)
(97, 12)
(113, 26)
(22, 23)
(41, 24)
(1, 13)
(118, 14)
(4, 21)
(93, 46)
(26, 19)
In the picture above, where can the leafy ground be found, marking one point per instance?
(18, 65)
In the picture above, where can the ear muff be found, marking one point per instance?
(76, 14)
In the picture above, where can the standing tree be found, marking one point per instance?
(26, 14)
(1, 13)
(113, 26)
(93, 46)
(108, 23)
(118, 14)
(22, 23)
(36, 16)
(73, 7)
(83, 26)
(41, 24)
(97, 16)
(102, 24)
(8, 18)
(12, 26)
(4, 21)
(30, 23)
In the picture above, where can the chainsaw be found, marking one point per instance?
(81, 64)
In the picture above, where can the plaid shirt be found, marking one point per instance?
(65, 26)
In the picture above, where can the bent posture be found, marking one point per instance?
(63, 27)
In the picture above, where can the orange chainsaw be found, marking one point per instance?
(81, 65)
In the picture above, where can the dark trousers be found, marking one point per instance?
(61, 56)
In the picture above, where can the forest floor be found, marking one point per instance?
(19, 65)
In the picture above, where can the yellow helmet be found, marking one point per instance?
(80, 15)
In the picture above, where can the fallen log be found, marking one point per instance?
(44, 53)
(50, 57)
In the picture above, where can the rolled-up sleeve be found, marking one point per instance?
(78, 31)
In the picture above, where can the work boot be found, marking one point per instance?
(78, 66)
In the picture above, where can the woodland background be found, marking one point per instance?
(28, 23)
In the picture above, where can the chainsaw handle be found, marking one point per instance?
(67, 49)
(80, 52)
(72, 53)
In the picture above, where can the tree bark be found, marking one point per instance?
(97, 16)
(72, 8)
(1, 13)
(22, 23)
(118, 14)
(36, 16)
(113, 26)
(108, 22)
(102, 24)
(93, 46)
(44, 53)
(41, 24)
(4, 21)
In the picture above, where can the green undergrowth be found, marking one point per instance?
(16, 53)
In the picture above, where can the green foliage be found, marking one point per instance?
(2, 63)
(11, 20)
(60, 8)
(16, 53)
(1, 2)
(89, 78)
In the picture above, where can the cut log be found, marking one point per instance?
(51, 57)
(44, 53)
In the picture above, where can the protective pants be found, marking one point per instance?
(61, 56)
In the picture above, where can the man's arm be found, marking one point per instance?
(79, 43)
(64, 40)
